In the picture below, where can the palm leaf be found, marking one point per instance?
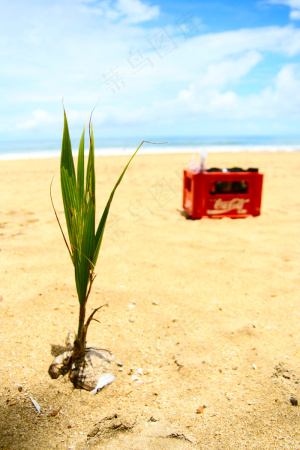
(80, 170)
(79, 208)
(90, 173)
(68, 180)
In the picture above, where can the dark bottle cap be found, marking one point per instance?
(235, 169)
(214, 169)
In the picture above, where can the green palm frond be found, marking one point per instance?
(80, 209)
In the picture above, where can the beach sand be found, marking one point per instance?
(208, 309)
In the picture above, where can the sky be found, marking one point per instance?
(149, 68)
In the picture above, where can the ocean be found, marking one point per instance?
(10, 150)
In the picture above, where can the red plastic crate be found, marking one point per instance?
(222, 194)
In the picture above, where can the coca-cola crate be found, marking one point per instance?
(222, 194)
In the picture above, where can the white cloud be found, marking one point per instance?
(132, 11)
(38, 118)
(285, 40)
(280, 100)
(295, 14)
(230, 70)
(202, 85)
(293, 4)
(46, 56)
(136, 11)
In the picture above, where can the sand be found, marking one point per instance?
(208, 309)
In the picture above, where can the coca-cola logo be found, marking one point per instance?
(225, 206)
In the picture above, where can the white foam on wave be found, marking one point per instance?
(148, 149)
(42, 154)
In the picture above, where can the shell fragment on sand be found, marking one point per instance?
(104, 380)
(35, 404)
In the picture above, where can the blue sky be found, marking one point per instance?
(154, 68)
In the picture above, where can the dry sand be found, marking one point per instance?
(209, 309)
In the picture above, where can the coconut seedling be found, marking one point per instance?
(84, 243)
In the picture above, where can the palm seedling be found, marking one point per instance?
(79, 200)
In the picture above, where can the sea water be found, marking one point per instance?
(126, 146)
